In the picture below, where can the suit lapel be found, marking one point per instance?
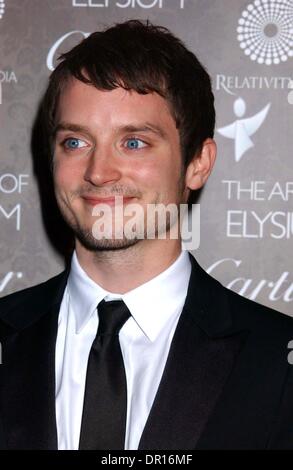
(28, 371)
(201, 357)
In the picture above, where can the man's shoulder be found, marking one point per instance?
(38, 289)
(245, 301)
(251, 313)
(244, 312)
(33, 297)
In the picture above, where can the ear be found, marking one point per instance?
(200, 167)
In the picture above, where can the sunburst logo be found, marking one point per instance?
(265, 31)
(2, 8)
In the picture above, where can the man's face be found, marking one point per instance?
(114, 143)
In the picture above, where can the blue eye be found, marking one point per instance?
(73, 143)
(134, 144)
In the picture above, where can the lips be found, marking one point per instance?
(93, 200)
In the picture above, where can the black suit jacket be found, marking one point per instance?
(227, 383)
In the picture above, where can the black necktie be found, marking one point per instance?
(104, 409)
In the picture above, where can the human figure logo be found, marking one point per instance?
(265, 31)
(243, 128)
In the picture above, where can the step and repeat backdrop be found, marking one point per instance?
(246, 208)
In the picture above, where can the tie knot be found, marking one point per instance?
(112, 316)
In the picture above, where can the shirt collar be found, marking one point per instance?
(84, 294)
(152, 304)
(160, 300)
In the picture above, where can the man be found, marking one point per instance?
(130, 117)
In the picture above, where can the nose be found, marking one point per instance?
(103, 167)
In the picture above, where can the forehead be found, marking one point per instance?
(83, 103)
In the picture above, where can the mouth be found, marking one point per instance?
(110, 201)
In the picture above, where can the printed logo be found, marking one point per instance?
(6, 76)
(8, 277)
(243, 128)
(265, 31)
(276, 289)
(54, 49)
(121, 222)
(123, 3)
(10, 185)
(290, 94)
(2, 8)
(231, 84)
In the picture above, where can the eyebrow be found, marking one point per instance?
(129, 128)
(146, 127)
(66, 126)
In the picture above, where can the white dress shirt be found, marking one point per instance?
(145, 340)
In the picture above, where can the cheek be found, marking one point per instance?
(152, 169)
(161, 174)
(148, 177)
(64, 175)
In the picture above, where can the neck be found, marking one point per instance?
(120, 271)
